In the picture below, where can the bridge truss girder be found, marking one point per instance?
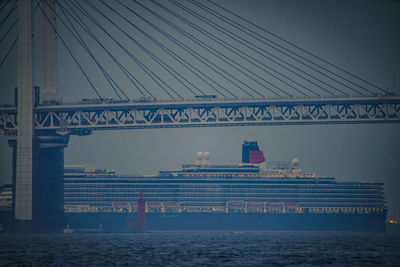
(78, 119)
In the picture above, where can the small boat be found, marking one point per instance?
(68, 230)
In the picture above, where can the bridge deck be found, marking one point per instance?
(79, 117)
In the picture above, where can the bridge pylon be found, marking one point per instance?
(38, 157)
(25, 136)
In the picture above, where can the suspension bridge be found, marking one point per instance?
(159, 64)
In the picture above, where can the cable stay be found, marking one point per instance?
(184, 46)
(70, 52)
(128, 74)
(110, 80)
(180, 60)
(14, 43)
(164, 65)
(255, 48)
(238, 52)
(202, 59)
(297, 47)
(170, 52)
(181, 77)
(3, 5)
(221, 56)
(217, 53)
(9, 51)
(8, 31)
(80, 40)
(150, 73)
(232, 23)
(10, 11)
(191, 51)
(119, 28)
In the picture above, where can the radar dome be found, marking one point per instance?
(199, 155)
(295, 162)
(206, 155)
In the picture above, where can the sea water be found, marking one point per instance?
(201, 249)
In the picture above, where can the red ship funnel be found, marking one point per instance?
(256, 157)
(251, 153)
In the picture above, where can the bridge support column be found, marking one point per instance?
(47, 184)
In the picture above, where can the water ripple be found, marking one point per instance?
(200, 249)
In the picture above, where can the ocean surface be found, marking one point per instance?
(201, 249)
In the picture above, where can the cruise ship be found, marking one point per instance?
(253, 195)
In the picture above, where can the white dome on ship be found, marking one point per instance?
(199, 155)
(206, 155)
(295, 162)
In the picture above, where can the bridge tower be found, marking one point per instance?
(38, 161)
(49, 86)
(24, 148)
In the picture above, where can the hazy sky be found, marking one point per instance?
(360, 36)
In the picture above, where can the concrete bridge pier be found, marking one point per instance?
(47, 184)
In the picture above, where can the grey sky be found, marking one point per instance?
(360, 36)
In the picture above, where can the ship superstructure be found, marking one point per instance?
(205, 196)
